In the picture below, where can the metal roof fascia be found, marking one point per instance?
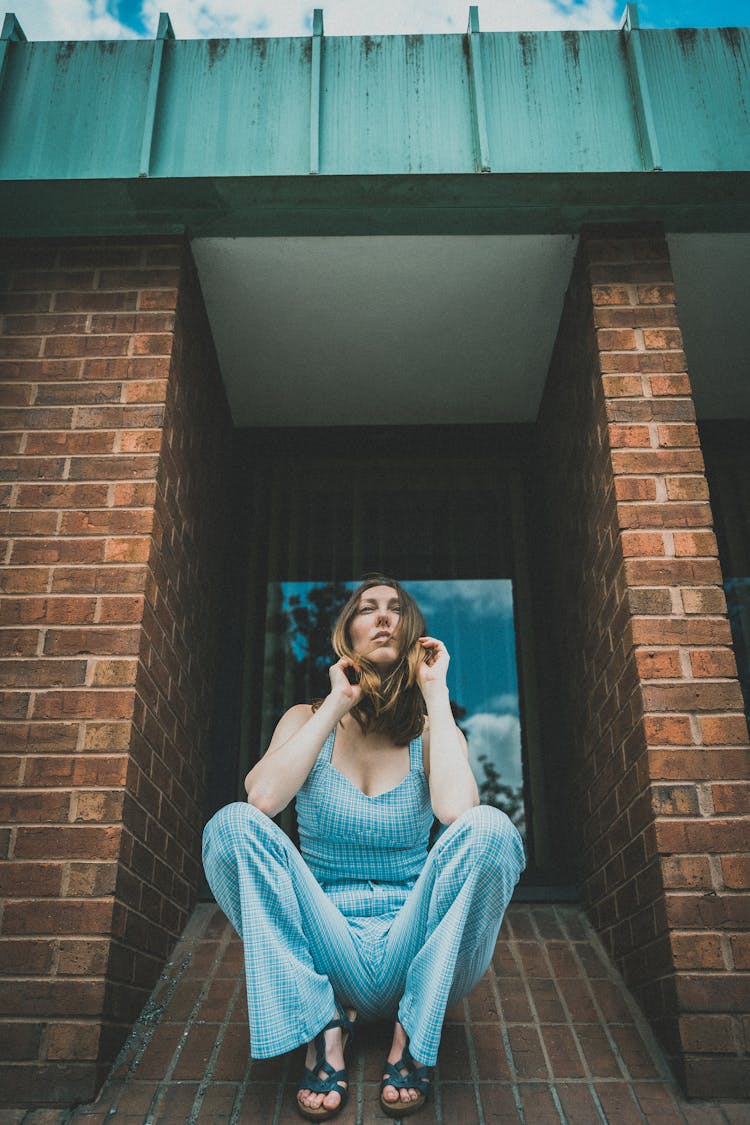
(418, 204)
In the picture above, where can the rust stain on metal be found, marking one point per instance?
(528, 47)
(64, 52)
(466, 50)
(572, 46)
(217, 48)
(731, 36)
(370, 44)
(687, 37)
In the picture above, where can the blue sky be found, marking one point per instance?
(118, 19)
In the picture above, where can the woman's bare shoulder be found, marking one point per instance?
(290, 722)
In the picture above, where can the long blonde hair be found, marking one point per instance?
(392, 702)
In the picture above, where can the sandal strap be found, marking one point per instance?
(416, 1078)
(332, 1083)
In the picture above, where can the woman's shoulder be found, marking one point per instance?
(291, 721)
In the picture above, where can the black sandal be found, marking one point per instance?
(416, 1078)
(334, 1079)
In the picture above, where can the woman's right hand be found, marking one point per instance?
(342, 688)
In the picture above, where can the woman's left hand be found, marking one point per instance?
(434, 668)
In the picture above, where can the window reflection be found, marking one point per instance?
(473, 617)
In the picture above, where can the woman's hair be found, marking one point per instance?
(391, 700)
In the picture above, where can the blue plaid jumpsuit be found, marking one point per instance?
(365, 913)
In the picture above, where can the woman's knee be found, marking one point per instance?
(233, 826)
(491, 835)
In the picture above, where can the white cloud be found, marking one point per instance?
(92, 19)
(69, 19)
(473, 597)
(505, 701)
(499, 738)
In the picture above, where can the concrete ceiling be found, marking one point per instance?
(712, 280)
(434, 329)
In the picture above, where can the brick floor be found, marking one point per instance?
(549, 1035)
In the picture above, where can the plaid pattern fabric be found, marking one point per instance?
(366, 914)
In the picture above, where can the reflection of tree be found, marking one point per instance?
(304, 628)
(492, 791)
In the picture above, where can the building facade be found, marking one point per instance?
(464, 308)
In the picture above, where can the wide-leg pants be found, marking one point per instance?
(301, 951)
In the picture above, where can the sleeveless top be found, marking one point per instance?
(366, 852)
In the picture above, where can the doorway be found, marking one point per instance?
(441, 508)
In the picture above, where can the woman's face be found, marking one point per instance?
(374, 628)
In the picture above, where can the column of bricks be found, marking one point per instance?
(114, 425)
(654, 709)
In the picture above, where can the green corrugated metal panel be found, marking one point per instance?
(396, 103)
(233, 107)
(700, 91)
(548, 102)
(559, 101)
(70, 110)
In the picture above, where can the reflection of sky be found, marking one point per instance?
(474, 619)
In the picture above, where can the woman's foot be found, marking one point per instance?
(325, 1085)
(408, 1095)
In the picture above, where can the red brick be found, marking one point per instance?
(687, 488)
(662, 338)
(18, 879)
(642, 543)
(695, 543)
(680, 631)
(735, 872)
(683, 872)
(697, 951)
(93, 641)
(83, 704)
(699, 764)
(47, 916)
(724, 729)
(157, 299)
(616, 339)
(713, 662)
(732, 799)
(692, 696)
(658, 663)
(76, 841)
(610, 295)
(674, 800)
(617, 386)
(73, 1041)
(707, 1034)
(668, 385)
(709, 836)
(635, 488)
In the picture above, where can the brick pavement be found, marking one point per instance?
(549, 1035)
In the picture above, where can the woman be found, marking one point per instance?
(366, 917)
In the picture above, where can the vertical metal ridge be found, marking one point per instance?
(164, 31)
(12, 33)
(315, 90)
(644, 114)
(476, 83)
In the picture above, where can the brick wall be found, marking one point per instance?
(115, 428)
(651, 709)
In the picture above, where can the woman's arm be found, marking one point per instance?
(296, 743)
(453, 789)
